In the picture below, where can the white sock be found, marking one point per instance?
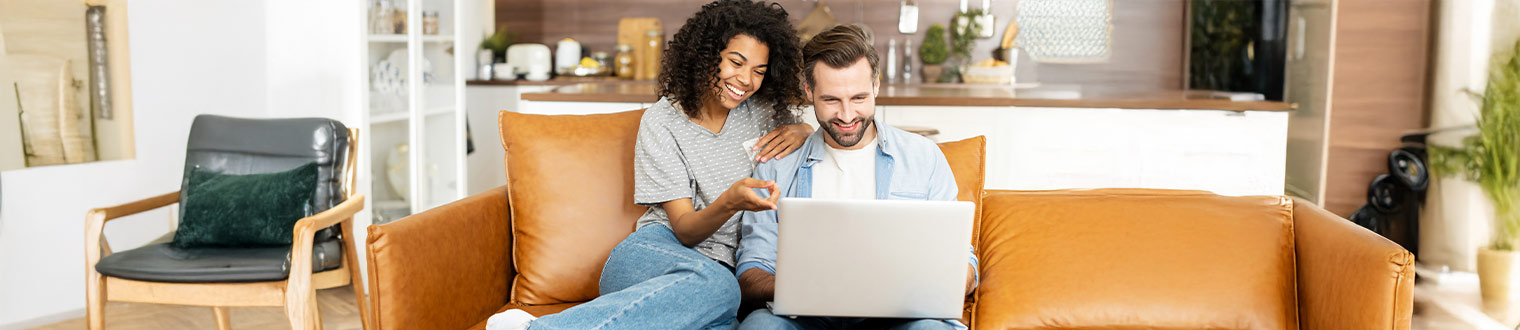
(511, 319)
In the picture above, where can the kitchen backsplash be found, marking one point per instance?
(1147, 34)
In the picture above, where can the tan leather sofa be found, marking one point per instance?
(1078, 259)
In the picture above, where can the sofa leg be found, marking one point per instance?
(223, 321)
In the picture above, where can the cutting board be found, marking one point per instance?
(631, 29)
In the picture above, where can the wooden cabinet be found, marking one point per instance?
(1358, 71)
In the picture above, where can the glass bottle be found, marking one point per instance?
(907, 61)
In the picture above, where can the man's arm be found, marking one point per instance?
(757, 285)
(942, 188)
(757, 256)
(757, 245)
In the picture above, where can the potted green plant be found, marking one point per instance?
(1492, 159)
(934, 52)
(498, 43)
(964, 29)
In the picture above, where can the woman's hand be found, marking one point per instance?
(741, 196)
(782, 141)
(692, 227)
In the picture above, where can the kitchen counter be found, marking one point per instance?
(1063, 96)
(551, 82)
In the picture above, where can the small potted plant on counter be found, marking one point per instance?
(1492, 159)
(964, 29)
(497, 43)
(934, 52)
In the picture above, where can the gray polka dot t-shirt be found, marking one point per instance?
(675, 158)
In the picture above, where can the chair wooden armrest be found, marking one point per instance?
(300, 297)
(97, 247)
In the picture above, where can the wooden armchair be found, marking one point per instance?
(242, 277)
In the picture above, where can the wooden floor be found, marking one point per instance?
(336, 306)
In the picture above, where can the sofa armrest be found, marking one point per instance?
(1349, 277)
(446, 268)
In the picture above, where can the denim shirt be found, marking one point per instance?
(908, 166)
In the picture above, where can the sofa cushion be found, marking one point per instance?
(570, 188)
(1136, 258)
(968, 160)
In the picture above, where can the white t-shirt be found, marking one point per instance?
(846, 174)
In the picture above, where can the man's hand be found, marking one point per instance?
(757, 285)
(782, 141)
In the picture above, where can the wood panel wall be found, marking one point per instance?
(1381, 64)
(1147, 39)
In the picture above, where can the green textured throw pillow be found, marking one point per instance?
(226, 210)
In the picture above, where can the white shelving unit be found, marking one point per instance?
(414, 136)
(402, 38)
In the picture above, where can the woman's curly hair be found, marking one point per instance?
(689, 70)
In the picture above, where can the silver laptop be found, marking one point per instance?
(872, 258)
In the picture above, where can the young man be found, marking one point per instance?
(853, 156)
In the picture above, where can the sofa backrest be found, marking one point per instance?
(1136, 258)
(570, 190)
(968, 161)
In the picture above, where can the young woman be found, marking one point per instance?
(728, 88)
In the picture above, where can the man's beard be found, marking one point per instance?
(846, 140)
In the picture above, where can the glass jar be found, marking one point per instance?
(623, 63)
(430, 23)
(380, 17)
(652, 54)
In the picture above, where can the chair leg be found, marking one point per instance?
(95, 296)
(355, 280)
(298, 316)
(223, 321)
(316, 315)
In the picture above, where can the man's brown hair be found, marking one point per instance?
(838, 47)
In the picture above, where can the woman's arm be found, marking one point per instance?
(692, 227)
(782, 141)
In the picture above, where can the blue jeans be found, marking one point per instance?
(651, 281)
(762, 319)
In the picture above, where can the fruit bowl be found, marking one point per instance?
(988, 74)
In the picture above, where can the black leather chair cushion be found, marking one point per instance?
(161, 263)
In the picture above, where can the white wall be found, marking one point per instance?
(314, 69)
(188, 58)
(283, 58)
